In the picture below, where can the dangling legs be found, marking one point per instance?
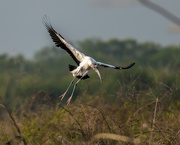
(69, 100)
(62, 96)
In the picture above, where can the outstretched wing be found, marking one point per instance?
(115, 67)
(61, 42)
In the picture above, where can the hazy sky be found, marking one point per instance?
(22, 31)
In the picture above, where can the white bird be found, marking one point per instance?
(85, 63)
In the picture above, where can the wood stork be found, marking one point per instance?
(84, 63)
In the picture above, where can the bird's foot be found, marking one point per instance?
(62, 96)
(69, 100)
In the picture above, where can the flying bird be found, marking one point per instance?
(84, 63)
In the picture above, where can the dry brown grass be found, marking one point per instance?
(133, 120)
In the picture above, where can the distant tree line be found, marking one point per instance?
(48, 70)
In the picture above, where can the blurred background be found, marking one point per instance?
(33, 72)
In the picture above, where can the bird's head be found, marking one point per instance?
(95, 68)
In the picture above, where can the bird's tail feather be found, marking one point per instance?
(72, 67)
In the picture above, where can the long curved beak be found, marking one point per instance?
(97, 71)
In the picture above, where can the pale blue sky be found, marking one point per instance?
(22, 31)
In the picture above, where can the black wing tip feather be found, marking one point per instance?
(127, 67)
(47, 23)
(56, 37)
(51, 31)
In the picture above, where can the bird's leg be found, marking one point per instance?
(62, 96)
(69, 100)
